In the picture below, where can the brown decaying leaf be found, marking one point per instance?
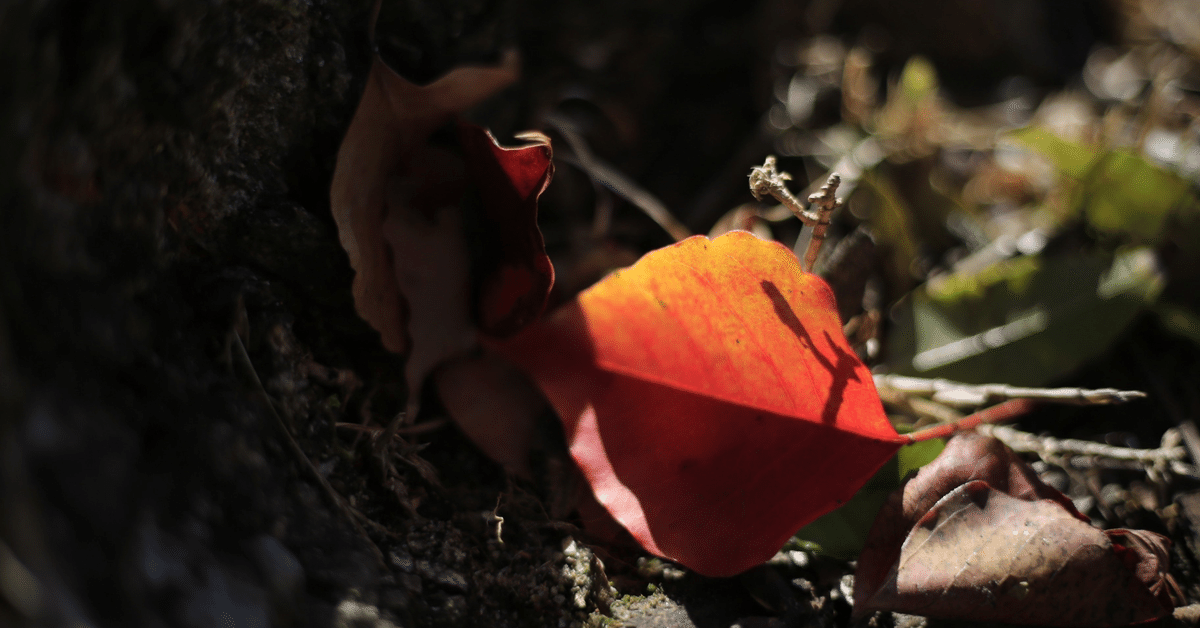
(495, 405)
(431, 266)
(432, 263)
(396, 200)
(386, 139)
(977, 536)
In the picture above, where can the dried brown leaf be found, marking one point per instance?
(976, 535)
(495, 405)
(431, 266)
(384, 143)
(395, 200)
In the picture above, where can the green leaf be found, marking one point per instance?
(1118, 192)
(1023, 321)
(914, 456)
(1125, 194)
(1071, 159)
(1180, 321)
(918, 80)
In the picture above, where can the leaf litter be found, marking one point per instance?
(398, 200)
(604, 355)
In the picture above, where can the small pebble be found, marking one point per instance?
(846, 586)
(356, 614)
(451, 580)
(1057, 478)
(401, 559)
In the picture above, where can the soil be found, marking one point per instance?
(178, 340)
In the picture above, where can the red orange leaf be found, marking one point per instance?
(710, 399)
(510, 180)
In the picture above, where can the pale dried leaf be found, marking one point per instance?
(393, 121)
(495, 405)
(432, 269)
(977, 535)
(981, 555)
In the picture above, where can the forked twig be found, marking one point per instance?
(765, 180)
(1050, 446)
(1071, 454)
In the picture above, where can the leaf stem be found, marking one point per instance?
(996, 414)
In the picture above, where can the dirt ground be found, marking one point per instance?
(178, 339)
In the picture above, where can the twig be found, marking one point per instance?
(1076, 455)
(969, 395)
(1069, 462)
(1050, 446)
(495, 516)
(615, 180)
(919, 407)
(1191, 438)
(404, 430)
(826, 202)
(336, 500)
(1036, 321)
(765, 180)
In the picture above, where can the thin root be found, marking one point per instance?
(335, 499)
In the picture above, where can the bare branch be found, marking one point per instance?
(1049, 446)
(1080, 454)
(969, 395)
(825, 201)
